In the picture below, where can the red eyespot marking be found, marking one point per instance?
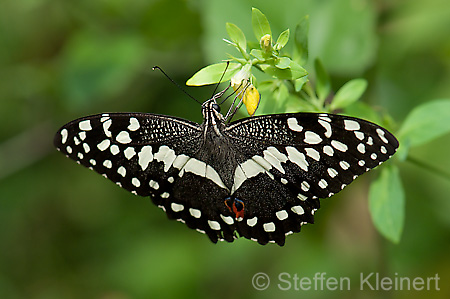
(235, 206)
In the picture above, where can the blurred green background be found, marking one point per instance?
(65, 232)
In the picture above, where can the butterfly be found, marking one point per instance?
(259, 177)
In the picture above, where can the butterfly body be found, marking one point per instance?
(259, 177)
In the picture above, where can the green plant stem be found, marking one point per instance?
(430, 168)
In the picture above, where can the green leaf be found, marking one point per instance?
(260, 24)
(350, 92)
(294, 71)
(282, 40)
(283, 62)
(236, 35)
(426, 122)
(300, 82)
(323, 85)
(212, 74)
(301, 40)
(387, 203)
(257, 54)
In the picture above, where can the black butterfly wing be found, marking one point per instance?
(152, 155)
(292, 160)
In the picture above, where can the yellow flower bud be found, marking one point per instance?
(245, 90)
(266, 43)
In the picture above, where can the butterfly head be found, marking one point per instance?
(211, 112)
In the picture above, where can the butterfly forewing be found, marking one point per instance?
(123, 147)
(258, 177)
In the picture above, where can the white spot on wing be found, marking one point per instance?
(82, 135)
(381, 135)
(359, 135)
(275, 158)
(129, 152)
(114, 149)
(104, 117)
(214, 224)
(323, 184)
(269, 227)
(281, 215)
(145, 157)
(195, 213)
(312, 138)
(104, 144)
(332, 172)
(106, 126)
(166, 155)
(85, 125)
(301, 197)
(134, 124)
(86, 148)
(153, 184)
(107, 163)
(339, 145)
(298, 210)
(293, 124)
(324, 117)
(122, 171)
(165, 195)
(328, 150)
(351, 125)
(227, 219)
(136, 182)
(180, 161)
(297, 157)
(305, 186)
(176, 207)
(123, 137)
(327, 127)
(64, 134)
(313, 153)
(212, 174)
(361, 148)
(344, 165)
(252, 222)
(196, 167)
(261, 161)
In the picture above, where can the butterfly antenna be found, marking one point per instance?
(220, 80)
(231, 94)
(176, 84)
(234, 108)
